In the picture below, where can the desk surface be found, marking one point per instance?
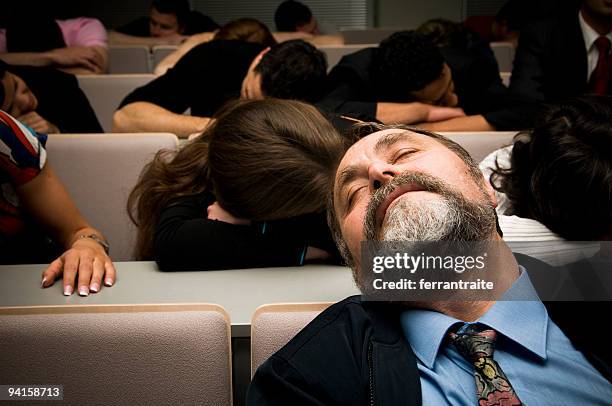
(240, 291)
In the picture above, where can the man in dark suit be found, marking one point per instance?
(409, 80)
(565, 56)
(461, 346)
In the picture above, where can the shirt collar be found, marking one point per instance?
(519, 315)
(425, 330)
(588, 33)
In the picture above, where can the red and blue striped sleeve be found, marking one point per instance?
(22, 152)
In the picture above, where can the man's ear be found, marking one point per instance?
(490, 191)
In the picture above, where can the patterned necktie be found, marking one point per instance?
(600, 78)
(492, 385)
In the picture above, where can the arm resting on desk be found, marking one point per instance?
(149, 117)
(46, 200)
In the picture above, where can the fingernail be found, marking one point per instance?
(83, 291)
(67, 290)
(94, 287)
(42, 284)
(108, 282)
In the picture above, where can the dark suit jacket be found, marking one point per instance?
(353, 91)
(355, 353)
(550, 62)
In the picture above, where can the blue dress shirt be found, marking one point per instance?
(539, 360)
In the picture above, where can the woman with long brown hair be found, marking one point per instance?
(249, 192)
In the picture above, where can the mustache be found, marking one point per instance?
(424, 181)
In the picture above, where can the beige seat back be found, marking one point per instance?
(105, 93)
(504, 54)
(273, 325)
(333, 54)
(129, 59)
(99, 171)
(160, 52)
(481, 144)
(171, 354)
(367, 36)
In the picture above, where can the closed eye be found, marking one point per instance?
(352, 198)
(403, 154)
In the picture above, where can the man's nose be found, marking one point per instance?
(379, 174)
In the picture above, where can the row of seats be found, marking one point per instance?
(109, 165)
(138, 59)
(105, 92)
(138, 354)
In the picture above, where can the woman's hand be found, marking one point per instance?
(86, 260)
(216, 212)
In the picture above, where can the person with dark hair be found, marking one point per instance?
(455, 37)
(77, 45)
(243, 29)
(433, 342)
(46, 100)
(213, 73)
(34, 205)
(409, 80)
(293, 16)
(249, 192)
(567, 55)
(560, 172)
(170, 21)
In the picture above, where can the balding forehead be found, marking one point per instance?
(387, 140)
(381, 141)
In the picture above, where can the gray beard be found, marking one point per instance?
(426, 221)
(450, 217)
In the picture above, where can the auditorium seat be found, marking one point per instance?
(481, 144)
(172, 354)
(105, 93)
(273, 325)
(367, 36)
(333, 53)
(129, 59)
(160, 52)
(99, 171)
(504, 53)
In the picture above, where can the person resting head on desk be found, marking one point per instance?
(170, 22)
(560, 172)
(456, 346)
(243, 29)
(18, 100)
(249, 192)
(215, 72)
(46, 100)
(408, 79)
(77, 46)
(34, 204)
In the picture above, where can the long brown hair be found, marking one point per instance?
(262, 159)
